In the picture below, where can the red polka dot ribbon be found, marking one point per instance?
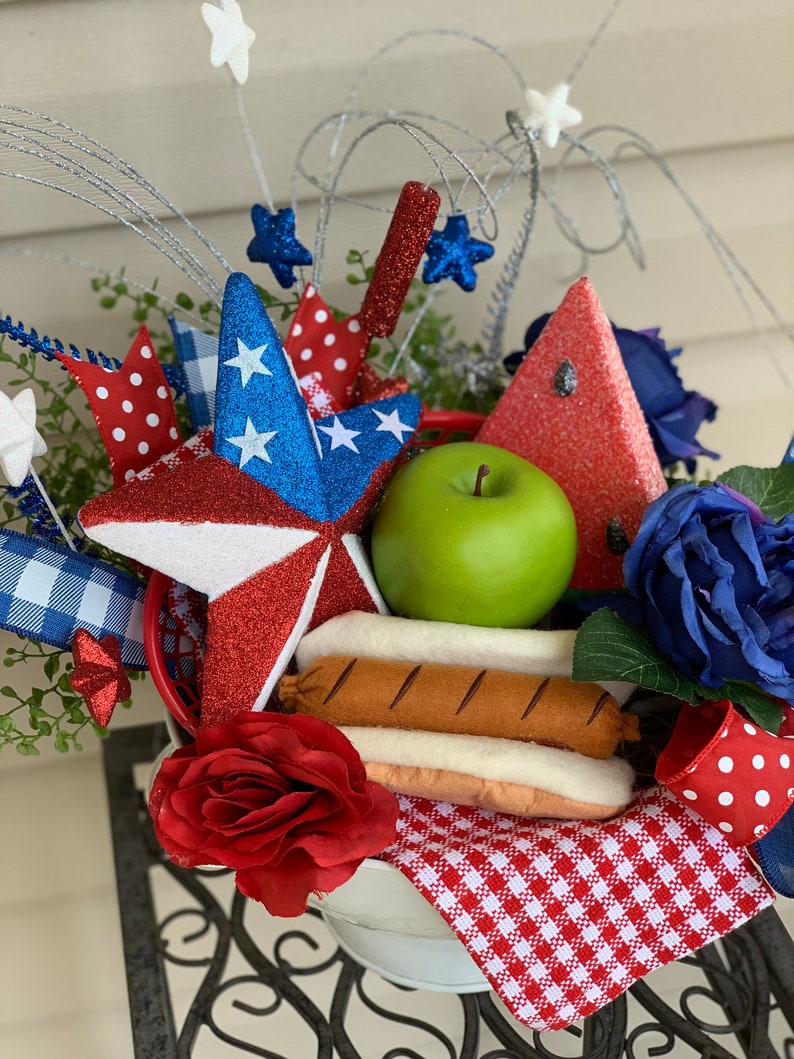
(327, 354)
(132, 407)
(732, 773)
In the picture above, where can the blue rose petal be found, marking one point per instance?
(716, 579)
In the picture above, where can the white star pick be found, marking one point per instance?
(549, 114)
(19, 439)
(252, 444)
(340, 435)
(231, 38)
(249, 361)
(392, 423)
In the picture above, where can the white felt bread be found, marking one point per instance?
(500, 774)
(539, 652)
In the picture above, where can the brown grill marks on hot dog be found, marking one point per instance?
(535, 698)
(466, 700)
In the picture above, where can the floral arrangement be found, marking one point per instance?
(260, 474)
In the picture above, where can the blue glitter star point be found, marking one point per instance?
(276, 244)
(453, 253)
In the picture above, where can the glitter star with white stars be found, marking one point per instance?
(393, 424)
(549, 114)
(249, 361)
(231, 38)
(340, 435)
(252, 444)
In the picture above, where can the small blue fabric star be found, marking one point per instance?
(276, 243)
(453, 253)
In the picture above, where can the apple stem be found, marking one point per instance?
(482, 470)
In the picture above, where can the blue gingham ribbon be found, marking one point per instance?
(47, 592)
(198, 358)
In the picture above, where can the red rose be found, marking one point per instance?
(282, 799)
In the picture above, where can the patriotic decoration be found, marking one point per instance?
(99, 674)
(132, 407)
(453, 253)
(731, 772)
(231, 37)
(198, 358)
(276, 244)
(325, 352)
(267, 525)
(562, 917)
(47, 592)
(19, 439)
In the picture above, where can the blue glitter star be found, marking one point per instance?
(453, 253)
(276, 244)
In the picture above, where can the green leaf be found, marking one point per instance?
(8, 692)
(108, 301)
(606, 648)
(28, 749)
(61, 743)
(772, 488)
(184, 301)
(766, 713)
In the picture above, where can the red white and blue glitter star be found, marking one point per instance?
(276, 244)
(453, 253)
(267, 525)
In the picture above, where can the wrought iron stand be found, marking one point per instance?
(736, 997)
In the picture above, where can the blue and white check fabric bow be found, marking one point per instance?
(48, 591)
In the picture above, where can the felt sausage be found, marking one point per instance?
(466, 700)
(547, 652)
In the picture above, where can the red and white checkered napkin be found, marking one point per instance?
(563, 917)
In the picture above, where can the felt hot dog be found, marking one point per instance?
(464, 700)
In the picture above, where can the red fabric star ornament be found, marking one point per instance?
(332, 352)
(132, 407)
(99, 675)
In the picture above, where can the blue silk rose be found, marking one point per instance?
(674, 415)
(716, 578)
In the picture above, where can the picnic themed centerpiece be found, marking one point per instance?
(520, 694)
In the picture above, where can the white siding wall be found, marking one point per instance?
(709, 82)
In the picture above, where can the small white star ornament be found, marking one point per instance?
(549, 114)
(19, 439)
(231, 38)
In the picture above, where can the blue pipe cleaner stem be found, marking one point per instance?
(49, 347)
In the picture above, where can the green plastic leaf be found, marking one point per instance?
(772, 488)
(766, 713)
(606, 648)
(184, 301)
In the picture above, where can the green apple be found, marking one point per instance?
(472, 533)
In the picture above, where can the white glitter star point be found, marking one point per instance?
(253, 444)
(340, 435)
(19, 439)
(249, 361)
(231, 38)
(393, 424)
(549, 113)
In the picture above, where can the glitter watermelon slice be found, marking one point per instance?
(571, 411)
